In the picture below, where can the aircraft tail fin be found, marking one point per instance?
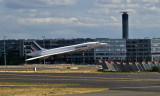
(35, 47)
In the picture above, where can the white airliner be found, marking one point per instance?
(39, 52)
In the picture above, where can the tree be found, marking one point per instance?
(155, 69)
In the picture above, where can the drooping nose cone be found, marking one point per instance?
(125, 25)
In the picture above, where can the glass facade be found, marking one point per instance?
(114, 51)
(11, 45)
(13, 51)
(138, 50)
(155, 49)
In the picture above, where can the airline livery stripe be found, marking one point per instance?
(32, 50)
(35, 46)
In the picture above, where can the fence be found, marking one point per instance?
(128, 66)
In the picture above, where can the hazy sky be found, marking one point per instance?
(32, 19)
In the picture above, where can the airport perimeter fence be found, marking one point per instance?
(128, 66)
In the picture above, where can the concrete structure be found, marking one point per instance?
(125, 25)
(128, 66)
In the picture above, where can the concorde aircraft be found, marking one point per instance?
(39, 52)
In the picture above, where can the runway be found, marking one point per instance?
(146, 82)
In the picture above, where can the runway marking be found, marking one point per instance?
(68, 76)
(136, 80)
(85, 78)
(42, 79)
(55, 79)
(141, 80)
(138, 87)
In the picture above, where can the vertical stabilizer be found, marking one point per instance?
(35, 47)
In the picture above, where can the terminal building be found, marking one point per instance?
(115, 51)
(125, 50)
(12, 50)
(155, 49)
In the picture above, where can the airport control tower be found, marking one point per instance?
(125, 25)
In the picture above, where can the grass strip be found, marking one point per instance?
(40, 84)
(46, 91)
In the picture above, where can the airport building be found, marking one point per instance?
(126, 50)
(155, 49)
(15, 47)
(115, 51)
(12, 50)
(138, 50)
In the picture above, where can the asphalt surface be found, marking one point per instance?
(117, 93)
(146, 83)
(25, 69)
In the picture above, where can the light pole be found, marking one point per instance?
(43, 41)
(136, 52)
(43, 47)
(25, 54)
(4, 52)
(83, 56)
(143, 53)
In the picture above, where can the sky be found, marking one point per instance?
(54, 19)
